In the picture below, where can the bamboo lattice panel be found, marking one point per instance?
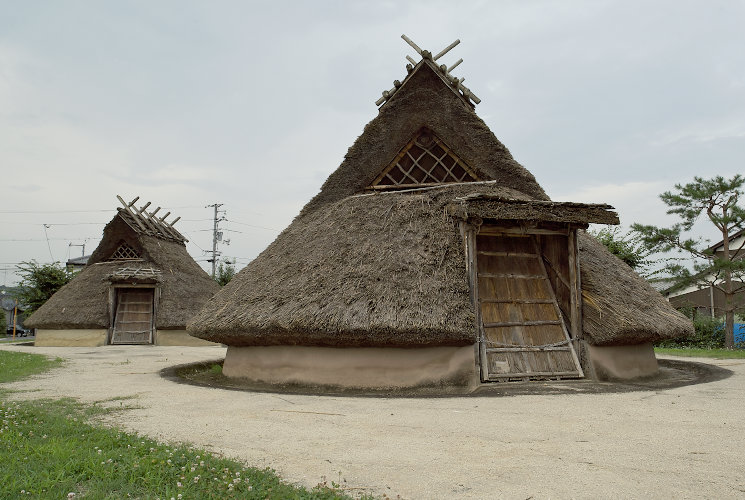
(425, 160)
(523, 333)
(133, 322)
(124, 252)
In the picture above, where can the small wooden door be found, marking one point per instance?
(133, 317)
(523, 335)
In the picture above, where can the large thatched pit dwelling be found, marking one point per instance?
(432, 258)
(140, 286)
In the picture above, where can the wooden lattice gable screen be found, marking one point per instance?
(425, 161)
(124, 251)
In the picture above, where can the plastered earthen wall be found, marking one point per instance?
(354, 367)
(70, 338)
(622, 362)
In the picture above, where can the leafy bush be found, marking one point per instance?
(708, 334)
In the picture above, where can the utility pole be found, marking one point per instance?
(216, 235)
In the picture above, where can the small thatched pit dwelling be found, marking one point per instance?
(432, 258)
(140, 286)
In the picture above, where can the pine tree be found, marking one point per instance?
(717, 199)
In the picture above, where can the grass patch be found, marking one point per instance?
(50, 450)
(17, 365)
(53, 449)
(702, 353)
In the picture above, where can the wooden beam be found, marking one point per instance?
(446, 50)
(575, 292)
(508, 254)
(521, 323)
(527, 348)
(511, 276)
(493, 230)
(517, 301)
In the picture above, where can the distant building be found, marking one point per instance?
(709, 300)
(77, 263)
(8, 302)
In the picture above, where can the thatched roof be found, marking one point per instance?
(83, 302)
(619, 306)
(383, 269)
(388, 269)
(424, 100)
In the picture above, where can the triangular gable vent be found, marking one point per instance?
(424, 161)
(124, 252)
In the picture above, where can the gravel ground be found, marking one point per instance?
(685, 442)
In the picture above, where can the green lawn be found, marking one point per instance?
(55, 449)
(17, 365)
(703, 353)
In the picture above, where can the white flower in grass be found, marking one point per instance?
(178, 496)
(178, 483)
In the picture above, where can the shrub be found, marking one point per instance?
(708, 334)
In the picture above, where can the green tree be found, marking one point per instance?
(39, 282)
(626, 247)
(717, 199)
(3, 320)
(225, 272)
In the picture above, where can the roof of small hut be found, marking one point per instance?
(388, 269)
(83, 302)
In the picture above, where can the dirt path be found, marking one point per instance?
(678, 443)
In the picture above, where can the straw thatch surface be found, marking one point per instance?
(83, 303)
(377, 270)
(619, 306)
(424, 100)
(374, 270)
(496, 207)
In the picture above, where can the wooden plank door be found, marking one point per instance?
(523, 335)
(133, 323)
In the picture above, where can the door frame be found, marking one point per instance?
(114, 288)
(573, 324)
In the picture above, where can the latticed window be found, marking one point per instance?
(425, 160)
(124, 252)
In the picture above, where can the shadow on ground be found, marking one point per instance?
(672, 374)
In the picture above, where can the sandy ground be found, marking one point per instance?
(687, 442)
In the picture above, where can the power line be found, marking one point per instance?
(252, 225)
(52, 211)
(48, 239)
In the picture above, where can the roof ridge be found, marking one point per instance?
(143, 222)
(442, 70)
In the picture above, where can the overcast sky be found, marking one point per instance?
(254, 104)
